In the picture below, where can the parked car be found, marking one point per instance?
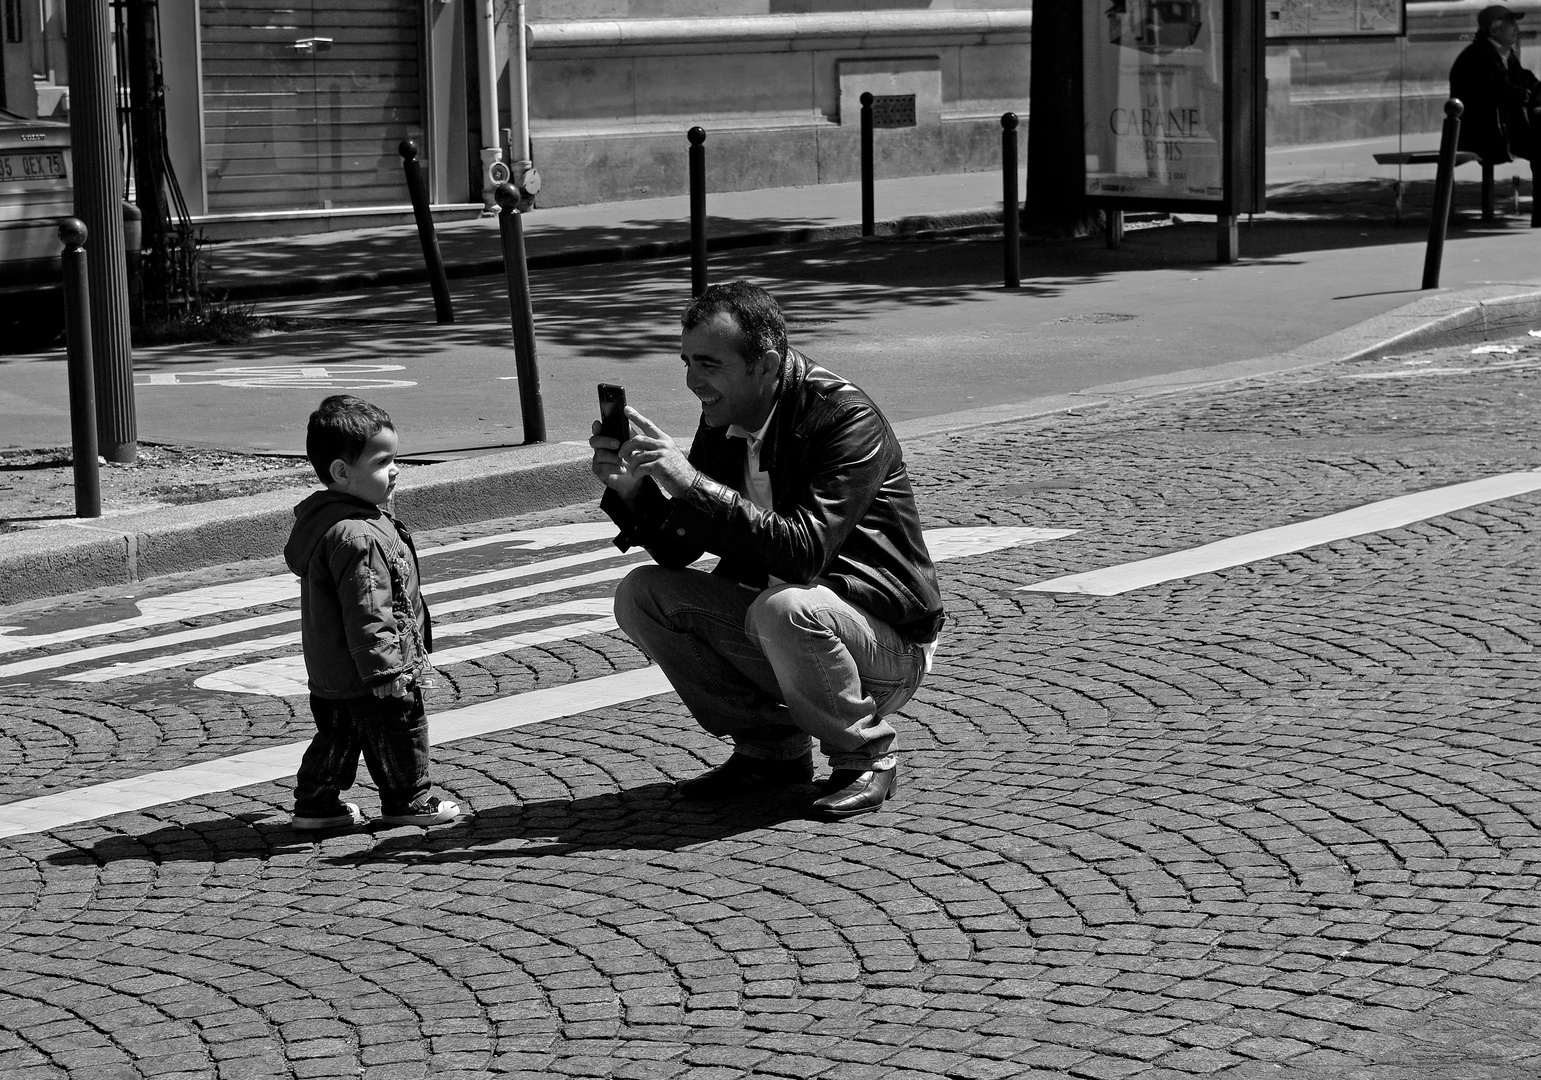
(35, 192)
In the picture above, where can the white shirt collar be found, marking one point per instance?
(736, 432)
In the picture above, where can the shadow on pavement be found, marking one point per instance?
(622, 311)
(650, 817)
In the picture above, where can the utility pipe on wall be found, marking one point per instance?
(494, 171)
(521, 155)
(519, 90)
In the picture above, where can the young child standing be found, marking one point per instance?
(364, 628)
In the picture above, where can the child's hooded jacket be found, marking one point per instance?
(363, 622)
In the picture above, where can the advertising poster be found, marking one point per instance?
(1155, 99)
(1334, 18)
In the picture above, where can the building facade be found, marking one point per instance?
(288, 118)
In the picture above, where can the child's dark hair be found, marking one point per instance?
(341, 428)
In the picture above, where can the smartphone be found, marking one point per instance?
(612, 412)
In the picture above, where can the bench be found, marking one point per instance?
(1431, 157)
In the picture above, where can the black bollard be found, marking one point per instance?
(868, 224)
(77, 325)
(697, 137)
(521, 314)
(418, 190)
(1010, 206)
(1444, 182)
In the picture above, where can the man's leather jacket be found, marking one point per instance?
(844, 510)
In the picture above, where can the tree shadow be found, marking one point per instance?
(627, 313)
(650, 817)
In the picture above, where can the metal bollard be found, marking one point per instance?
(868, 225)
(418, 190)
(521, 314)
(77, 324)
(697, 137)
(1444, 182)
(1010, 206)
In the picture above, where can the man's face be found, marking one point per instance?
(1504, 31)
(733, 388)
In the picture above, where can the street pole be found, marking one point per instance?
(427, 236)
(1444, 184)
(77, 324)
(94, 148)
(521, 313)
(149, 176)
(1011, 201)
(697, 161)
(868, 225)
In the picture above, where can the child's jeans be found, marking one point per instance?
(392, 734)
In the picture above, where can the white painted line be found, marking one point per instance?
(508, 573)
(284, 676)
(72, 807)
(66, 808)
(959, 543)
(460, 654)
(119, 648)
(175, 607)
(1269, 543)
(204, 633)
(182, 659)
(281, 588)
(583, 532)
(598, 605)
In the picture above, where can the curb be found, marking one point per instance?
(64, 558)
(1497, 309)
(69, 557)
(592, 256)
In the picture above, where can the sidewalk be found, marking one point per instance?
(599, 233)
(1305, 182)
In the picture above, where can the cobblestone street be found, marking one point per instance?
(1277, 820)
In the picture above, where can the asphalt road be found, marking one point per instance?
(1280, 818)
(924, 326)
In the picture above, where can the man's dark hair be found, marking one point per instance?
(341, 428)
(760, 322)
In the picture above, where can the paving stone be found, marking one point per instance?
(1272, 819)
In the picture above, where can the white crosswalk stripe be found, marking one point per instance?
(566, 620)
(468, 593)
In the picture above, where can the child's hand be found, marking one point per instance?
(397, 687)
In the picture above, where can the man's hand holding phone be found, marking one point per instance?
(610, 433)
(622, 460)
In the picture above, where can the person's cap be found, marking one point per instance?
(1497, 13)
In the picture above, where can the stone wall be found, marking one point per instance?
(612, 98)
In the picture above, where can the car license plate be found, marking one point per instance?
(48, 165)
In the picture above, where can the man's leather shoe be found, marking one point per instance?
(849, 792)
(741, 776)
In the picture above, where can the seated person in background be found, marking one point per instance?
(1502, 99)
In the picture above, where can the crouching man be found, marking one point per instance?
(821, 615)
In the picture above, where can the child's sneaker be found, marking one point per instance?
(346, 815)
(430, 811)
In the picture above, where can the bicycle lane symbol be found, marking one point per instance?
(285, 377)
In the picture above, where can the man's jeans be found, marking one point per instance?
(391, 733)
(771, 669)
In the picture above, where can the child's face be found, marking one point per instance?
(372, 476)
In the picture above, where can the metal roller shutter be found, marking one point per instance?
(304, 104)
